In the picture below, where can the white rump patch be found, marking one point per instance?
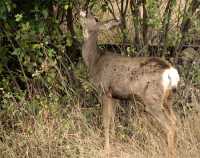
(170, 78)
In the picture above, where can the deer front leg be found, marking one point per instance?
(107, 102)
(115, 102)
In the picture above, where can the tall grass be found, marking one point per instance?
(70, 125)
(61, 131)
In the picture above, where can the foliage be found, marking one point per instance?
(30, 36)
(48, 108)
(41, 42)
(38, 37)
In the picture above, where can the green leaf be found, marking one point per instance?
(51, 52)
(26, 27)
(18, 17)
(45, 13)
(66, 6)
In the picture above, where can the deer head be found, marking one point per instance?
(90, 23)
(91, 26)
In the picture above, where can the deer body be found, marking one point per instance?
(117, 77)
(125, 76)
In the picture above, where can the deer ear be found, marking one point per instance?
(107, 25)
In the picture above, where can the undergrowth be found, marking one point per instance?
(53, 125)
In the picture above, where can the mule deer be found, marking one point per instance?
(151, 79)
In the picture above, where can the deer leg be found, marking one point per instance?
(172, 117)
(112, 124)
(107, 102)
(169, 110)
(171, 133)
(159, 113)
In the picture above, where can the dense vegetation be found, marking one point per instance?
(48, 108)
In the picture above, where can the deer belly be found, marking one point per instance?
(120, 89)
(126, 89)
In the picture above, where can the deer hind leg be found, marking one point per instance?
(107, 102)
(168, 106)
(171, 115)
(165, 120)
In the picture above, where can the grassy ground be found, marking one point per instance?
(52, 130)
(70, 125)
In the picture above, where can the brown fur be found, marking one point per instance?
(119, 77)
(152, 60)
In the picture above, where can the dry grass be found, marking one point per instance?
(48, 127)
(78, 133)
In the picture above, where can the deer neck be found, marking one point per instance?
(89, 50)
